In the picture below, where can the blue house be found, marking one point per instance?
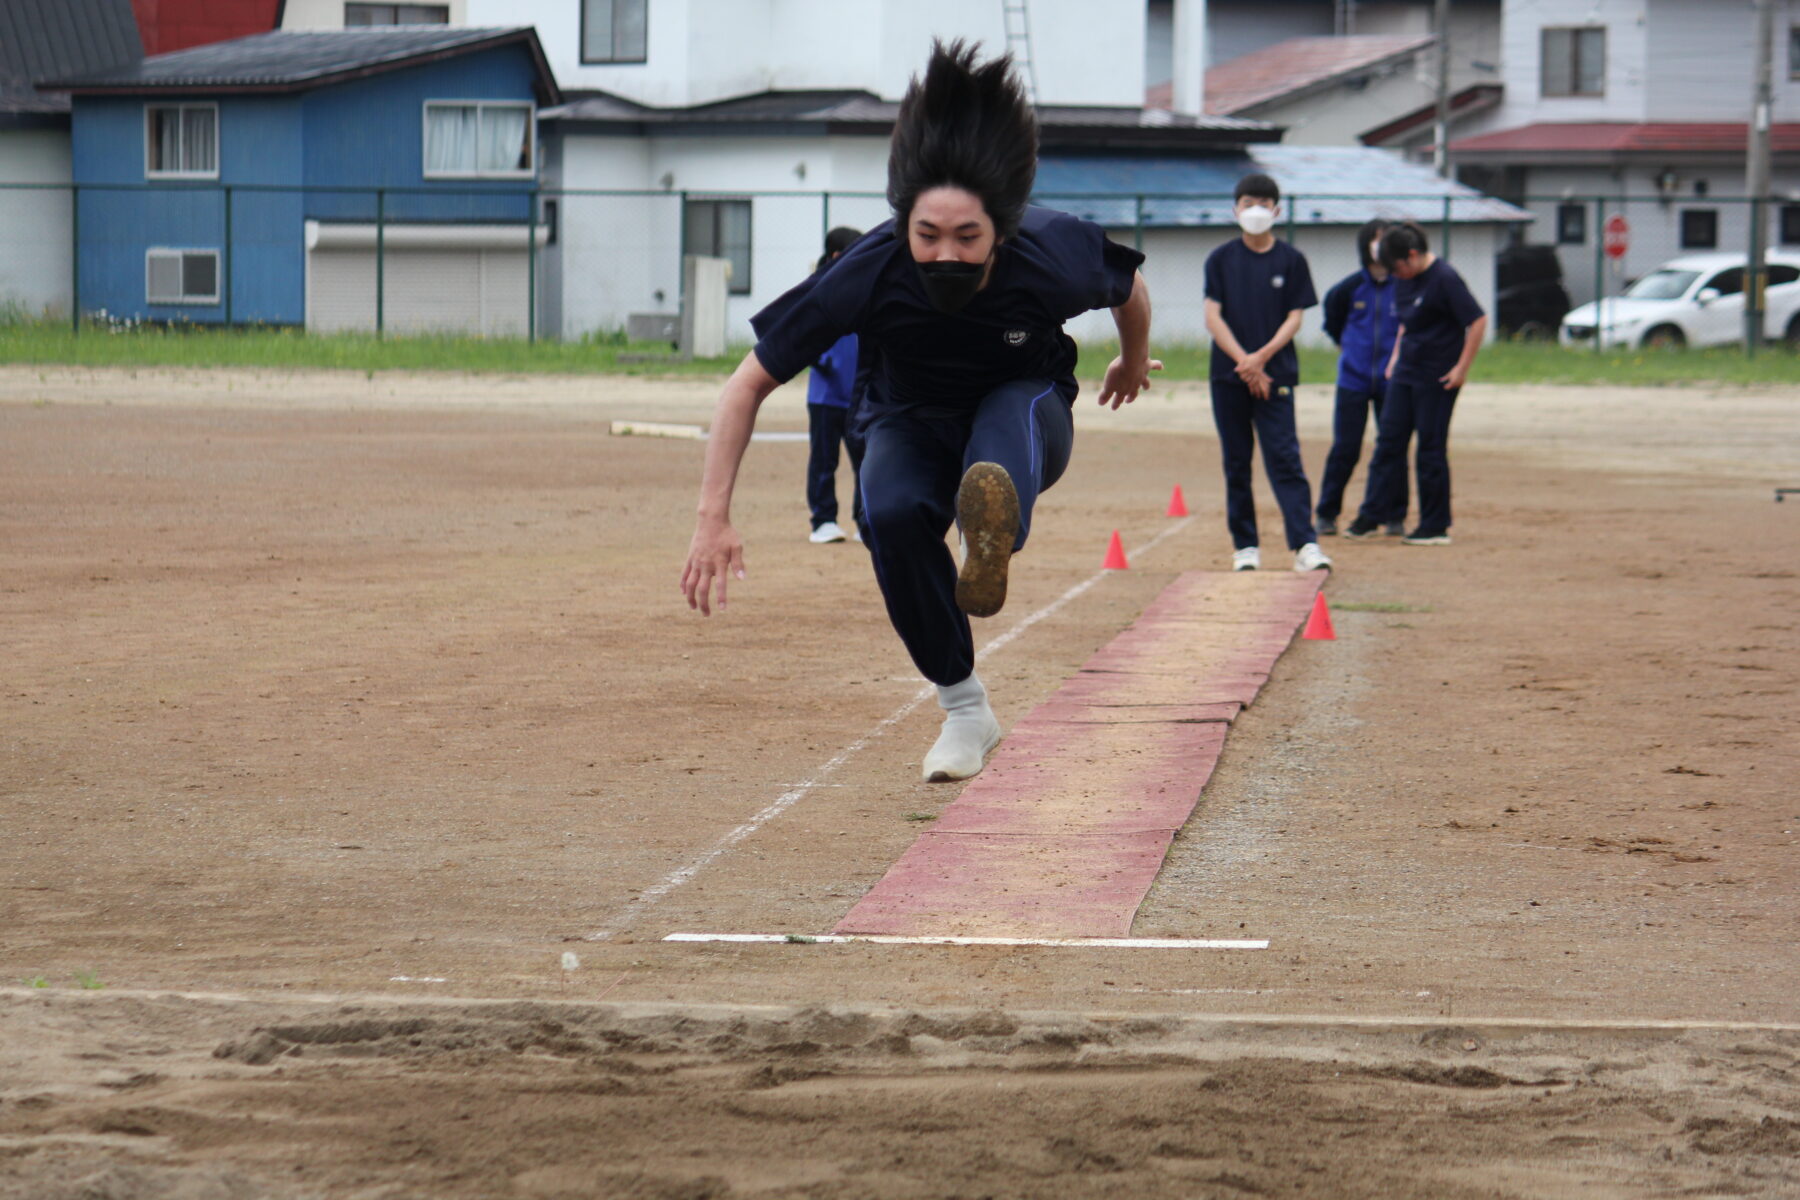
(336, 180)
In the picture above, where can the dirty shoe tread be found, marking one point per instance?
(987, 508)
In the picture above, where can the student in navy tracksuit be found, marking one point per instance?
(964, 294)
(1257, 287)
(1360, 318)
(830, 390)
(1441, 327)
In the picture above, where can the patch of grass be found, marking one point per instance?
(88, 981)
(918, 816)
(1382, 608)
(800, 939)
(36, 981)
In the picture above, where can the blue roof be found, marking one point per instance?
(1320, 185)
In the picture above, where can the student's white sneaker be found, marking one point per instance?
(828, 532)
(970, 731)
(1247, 559)
(1310, 558)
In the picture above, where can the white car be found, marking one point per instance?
(1695, 300)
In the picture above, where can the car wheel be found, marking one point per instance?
(1534, 331)
(1665, 337)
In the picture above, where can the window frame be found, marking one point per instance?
(735, 286)
(1563, 235)
(1574, 80)
(181, 253)
(581, 45)
(181, 107)
(1794, 51)
(350, 4)
(530, 107)
(1712, 214)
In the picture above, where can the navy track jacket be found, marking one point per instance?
(1360, 318)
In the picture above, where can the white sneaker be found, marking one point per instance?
(828, 532)
(1248, 559)
(970, 731)
(1310, 558)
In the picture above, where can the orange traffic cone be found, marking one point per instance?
(1318, 625)
(1177, 505)
(1115, 555)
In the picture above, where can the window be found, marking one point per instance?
(181, 276)
(479, 138)
(1571, 224)
(1699, 229)
(1794, 52)
(395, 14)
(1780, 273)
(1790, 224)
(614, 31)
(181, 141)
(1729, 282)
(1574, 62)
(720, 229)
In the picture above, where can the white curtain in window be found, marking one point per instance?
(597, 31)
(451, 138)
(199, 144)
(505, 139)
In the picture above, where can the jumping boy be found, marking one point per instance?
(963, 295)
(1257, 287)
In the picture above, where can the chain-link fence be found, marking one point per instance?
(579, 263)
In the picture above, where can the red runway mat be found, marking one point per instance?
(1063, 833)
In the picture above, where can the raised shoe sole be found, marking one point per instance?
(987, 508)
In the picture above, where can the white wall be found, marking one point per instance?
(1626, 23)
(36, 233)
(329, 14)
(1337, 116)
(699, 51)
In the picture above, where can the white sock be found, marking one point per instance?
(970, 731)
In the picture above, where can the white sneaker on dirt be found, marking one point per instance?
(1310, 558)
(1247, 559)
(970, 731)
(828, 532)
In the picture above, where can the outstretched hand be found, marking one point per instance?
(714, 556)
(1122, 383)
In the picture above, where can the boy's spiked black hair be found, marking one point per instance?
(1260, 187)
(965, 126)
(1399, 242)
(1371, 231)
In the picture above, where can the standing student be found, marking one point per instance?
(964, 295)
(1360, 318)
(830, 391)
(1257, 287)
(1441, 327)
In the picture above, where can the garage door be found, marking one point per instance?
(437, 279)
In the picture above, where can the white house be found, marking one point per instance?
(1643, 104)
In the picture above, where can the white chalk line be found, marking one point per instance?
(654, 894)
(891, 939)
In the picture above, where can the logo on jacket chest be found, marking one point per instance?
(1277, 280)
(1017, 337)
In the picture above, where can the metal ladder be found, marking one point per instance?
(1016, 14)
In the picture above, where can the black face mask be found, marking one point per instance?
(951, 285)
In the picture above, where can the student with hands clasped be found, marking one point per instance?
(962, 296)
(1441, 328)
(1257, 287)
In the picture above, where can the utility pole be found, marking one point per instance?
(1440, 153)
(1755, 278)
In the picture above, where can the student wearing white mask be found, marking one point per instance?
(1257, 288)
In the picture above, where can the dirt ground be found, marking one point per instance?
(337, 709)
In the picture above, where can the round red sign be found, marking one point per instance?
(1617, 236)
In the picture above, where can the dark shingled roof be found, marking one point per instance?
(291, 62)
(42, 39)
(864, 112)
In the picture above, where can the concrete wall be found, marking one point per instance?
(35, 236)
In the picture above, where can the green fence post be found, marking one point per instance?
(1755, 295)
(1599, 236)
(75, 258)
(824, 216)
(380, 263)
(1444, 233)
(531, 270)
(225, 260)
(1292, 221)
(1138, 226)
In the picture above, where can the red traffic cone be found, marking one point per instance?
(1177, 505)
(1318, 625)
(1115, 555)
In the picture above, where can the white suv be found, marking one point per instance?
(1695, 300)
